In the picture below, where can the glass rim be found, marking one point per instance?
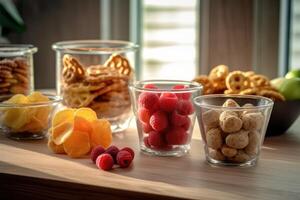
(135, 85)
(54, 99)
(94, 46)
(269, 101)
(17, 49)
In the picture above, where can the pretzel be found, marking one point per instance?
(83, 87)
(119, 63)
(249, 91)
(98, 73)
(249, 73)
(218, 73)
(8, 62)
(72, 70)
(258, 80)
(206, 83)
(5, 74)
(77, 100)
(237, 81)
(275, 96)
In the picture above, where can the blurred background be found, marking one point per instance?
(178, 38)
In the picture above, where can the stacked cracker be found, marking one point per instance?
(14, 76)
(220, 81)
(104, 88)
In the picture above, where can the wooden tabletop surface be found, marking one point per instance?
(31, 170)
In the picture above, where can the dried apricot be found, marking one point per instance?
(86, 113)
(54, 147)
(101, 134)
(78, 144)
(66, 115)
(81, 124)
(61, 132)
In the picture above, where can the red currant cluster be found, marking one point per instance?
(164, 117)
(106, 158)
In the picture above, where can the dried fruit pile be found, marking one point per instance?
(77, 131)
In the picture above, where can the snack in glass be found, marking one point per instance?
(233, 127)
(16, 69)
(165, 115)
(96, 74)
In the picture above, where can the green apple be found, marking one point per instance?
(290, 88)
(295, 73)
(276, 83)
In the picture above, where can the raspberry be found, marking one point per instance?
(185, 96)
(185, 107)
(187, 124)
(146, 127)
(113, 151)
(105, 161)
(168, 102)
(146, 142)
(159, 121)
(124, 158)
(148, 100)
(155, 139)
(98, 150)
(144, 115)
(178, 119)
(129, 150)
(176, 136)
(150, 86)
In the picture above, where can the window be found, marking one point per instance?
(169, 39)
(295, 35)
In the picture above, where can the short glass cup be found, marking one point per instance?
(96, 74)
(233, 127)
(27, 121)
(16, 71)
(165, 115)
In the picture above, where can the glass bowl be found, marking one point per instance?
(165, 115)
(96, 74)
(16, 71)
(233, 127)
(26, 121)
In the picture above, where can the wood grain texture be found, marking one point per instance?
(30, 169)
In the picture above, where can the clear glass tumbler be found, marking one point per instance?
(233, 127)
(96, 74)
(165, 115)
(16, 68)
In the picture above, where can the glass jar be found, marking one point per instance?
(96, 74)
(233, 127)
(165, 115)
(16, 69)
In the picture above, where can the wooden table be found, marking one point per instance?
(30, 170)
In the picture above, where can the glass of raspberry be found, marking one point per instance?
(165, 115)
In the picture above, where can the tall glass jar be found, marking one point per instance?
(96, 74)
(16, 68)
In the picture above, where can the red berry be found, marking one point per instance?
(150, 86)
(124, 159)
(185, 107)
(148, 100)
(185, 95)
(168, 102)
(113, 151)
(146, 142)
(98, 150)
(187, 124)
(176, 136)
(156, 139)
(144, 115)
(178, 119)
(159, 121)
(146, 127)
(129, 150)
(105, 161)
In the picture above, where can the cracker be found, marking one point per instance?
(206, 83)
(275, 96)
(73, 70)
(120, 64)
(237, 81)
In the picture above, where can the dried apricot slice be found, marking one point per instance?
(61, 132)
(35, 97)
(78, 144)
(101, 134)
(54, 147)
(66, 115)
(15, 118)
(81, 124)
(18, 99)
(86, 113)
